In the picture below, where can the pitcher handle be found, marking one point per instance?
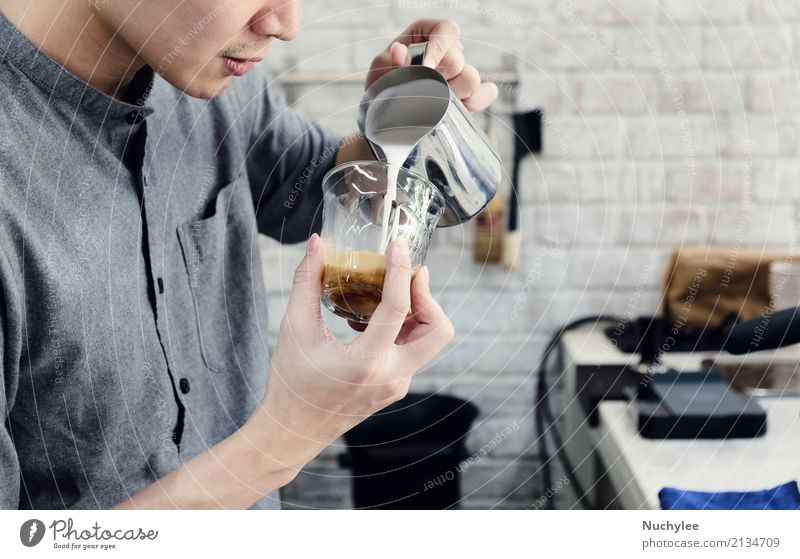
(417, 52)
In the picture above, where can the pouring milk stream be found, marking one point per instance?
(399, 118)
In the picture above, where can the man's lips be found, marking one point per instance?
(239, 66)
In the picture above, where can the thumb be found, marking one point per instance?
(434, 329)
(304, 301)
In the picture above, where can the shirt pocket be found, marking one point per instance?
(223, 268)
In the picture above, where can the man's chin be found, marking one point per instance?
(207, 89)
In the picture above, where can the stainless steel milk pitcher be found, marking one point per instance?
(451, 151)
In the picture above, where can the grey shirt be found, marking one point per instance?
(132, 304)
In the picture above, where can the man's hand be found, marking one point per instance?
(445, 53)
(319, 387)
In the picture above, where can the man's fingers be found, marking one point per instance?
(434, 330)
(452, 64)
(466, 83)
(389, 316)
(482, 98)
(441, 38)
(440, 34)
(398, 54)
(304, 301)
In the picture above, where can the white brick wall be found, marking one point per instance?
(668, 122)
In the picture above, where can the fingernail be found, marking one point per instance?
(426, 278)
(425, 273)
(313, 242)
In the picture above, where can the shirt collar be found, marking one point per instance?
(18, 50)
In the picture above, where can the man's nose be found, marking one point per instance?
(280, 18)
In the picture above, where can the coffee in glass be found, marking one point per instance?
(356, 235)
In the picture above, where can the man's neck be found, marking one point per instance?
(71, 33)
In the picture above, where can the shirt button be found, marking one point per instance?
(184, 384)
(134, 117)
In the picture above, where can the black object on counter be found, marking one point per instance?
(407, 455)
(694, 405)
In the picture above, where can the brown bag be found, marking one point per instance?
(704, 287)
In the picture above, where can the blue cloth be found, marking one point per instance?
(782, 497)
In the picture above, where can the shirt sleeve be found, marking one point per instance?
(290, 155)
(9, 365)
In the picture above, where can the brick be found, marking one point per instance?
(601, 93)
(672, 137)
(607, 12)
(601, 183)
(554, 182)
(544, 263)
(707, 11)
(734, 48)
(318, 14)
(628, 182)
(660, 48)
(615, 267)
(708, 183)
(773, 93)
(338, 112)
(796, 41)
(566, 305)
(782, 11)
(663, 227)
(454, 268)
(473, 355)
(776, 180)
(546, 90)
(366, 45)
(642, 181)
(757, 137)
(490, 49)
(576, 225)
(754, 225)
(465, 12)
(549, 182)
(480, 310)
(703, 93)
(571, 49)
(320, 50)
(568, 137)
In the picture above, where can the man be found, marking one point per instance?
(141, 155)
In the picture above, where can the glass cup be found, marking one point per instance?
(356, 233)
